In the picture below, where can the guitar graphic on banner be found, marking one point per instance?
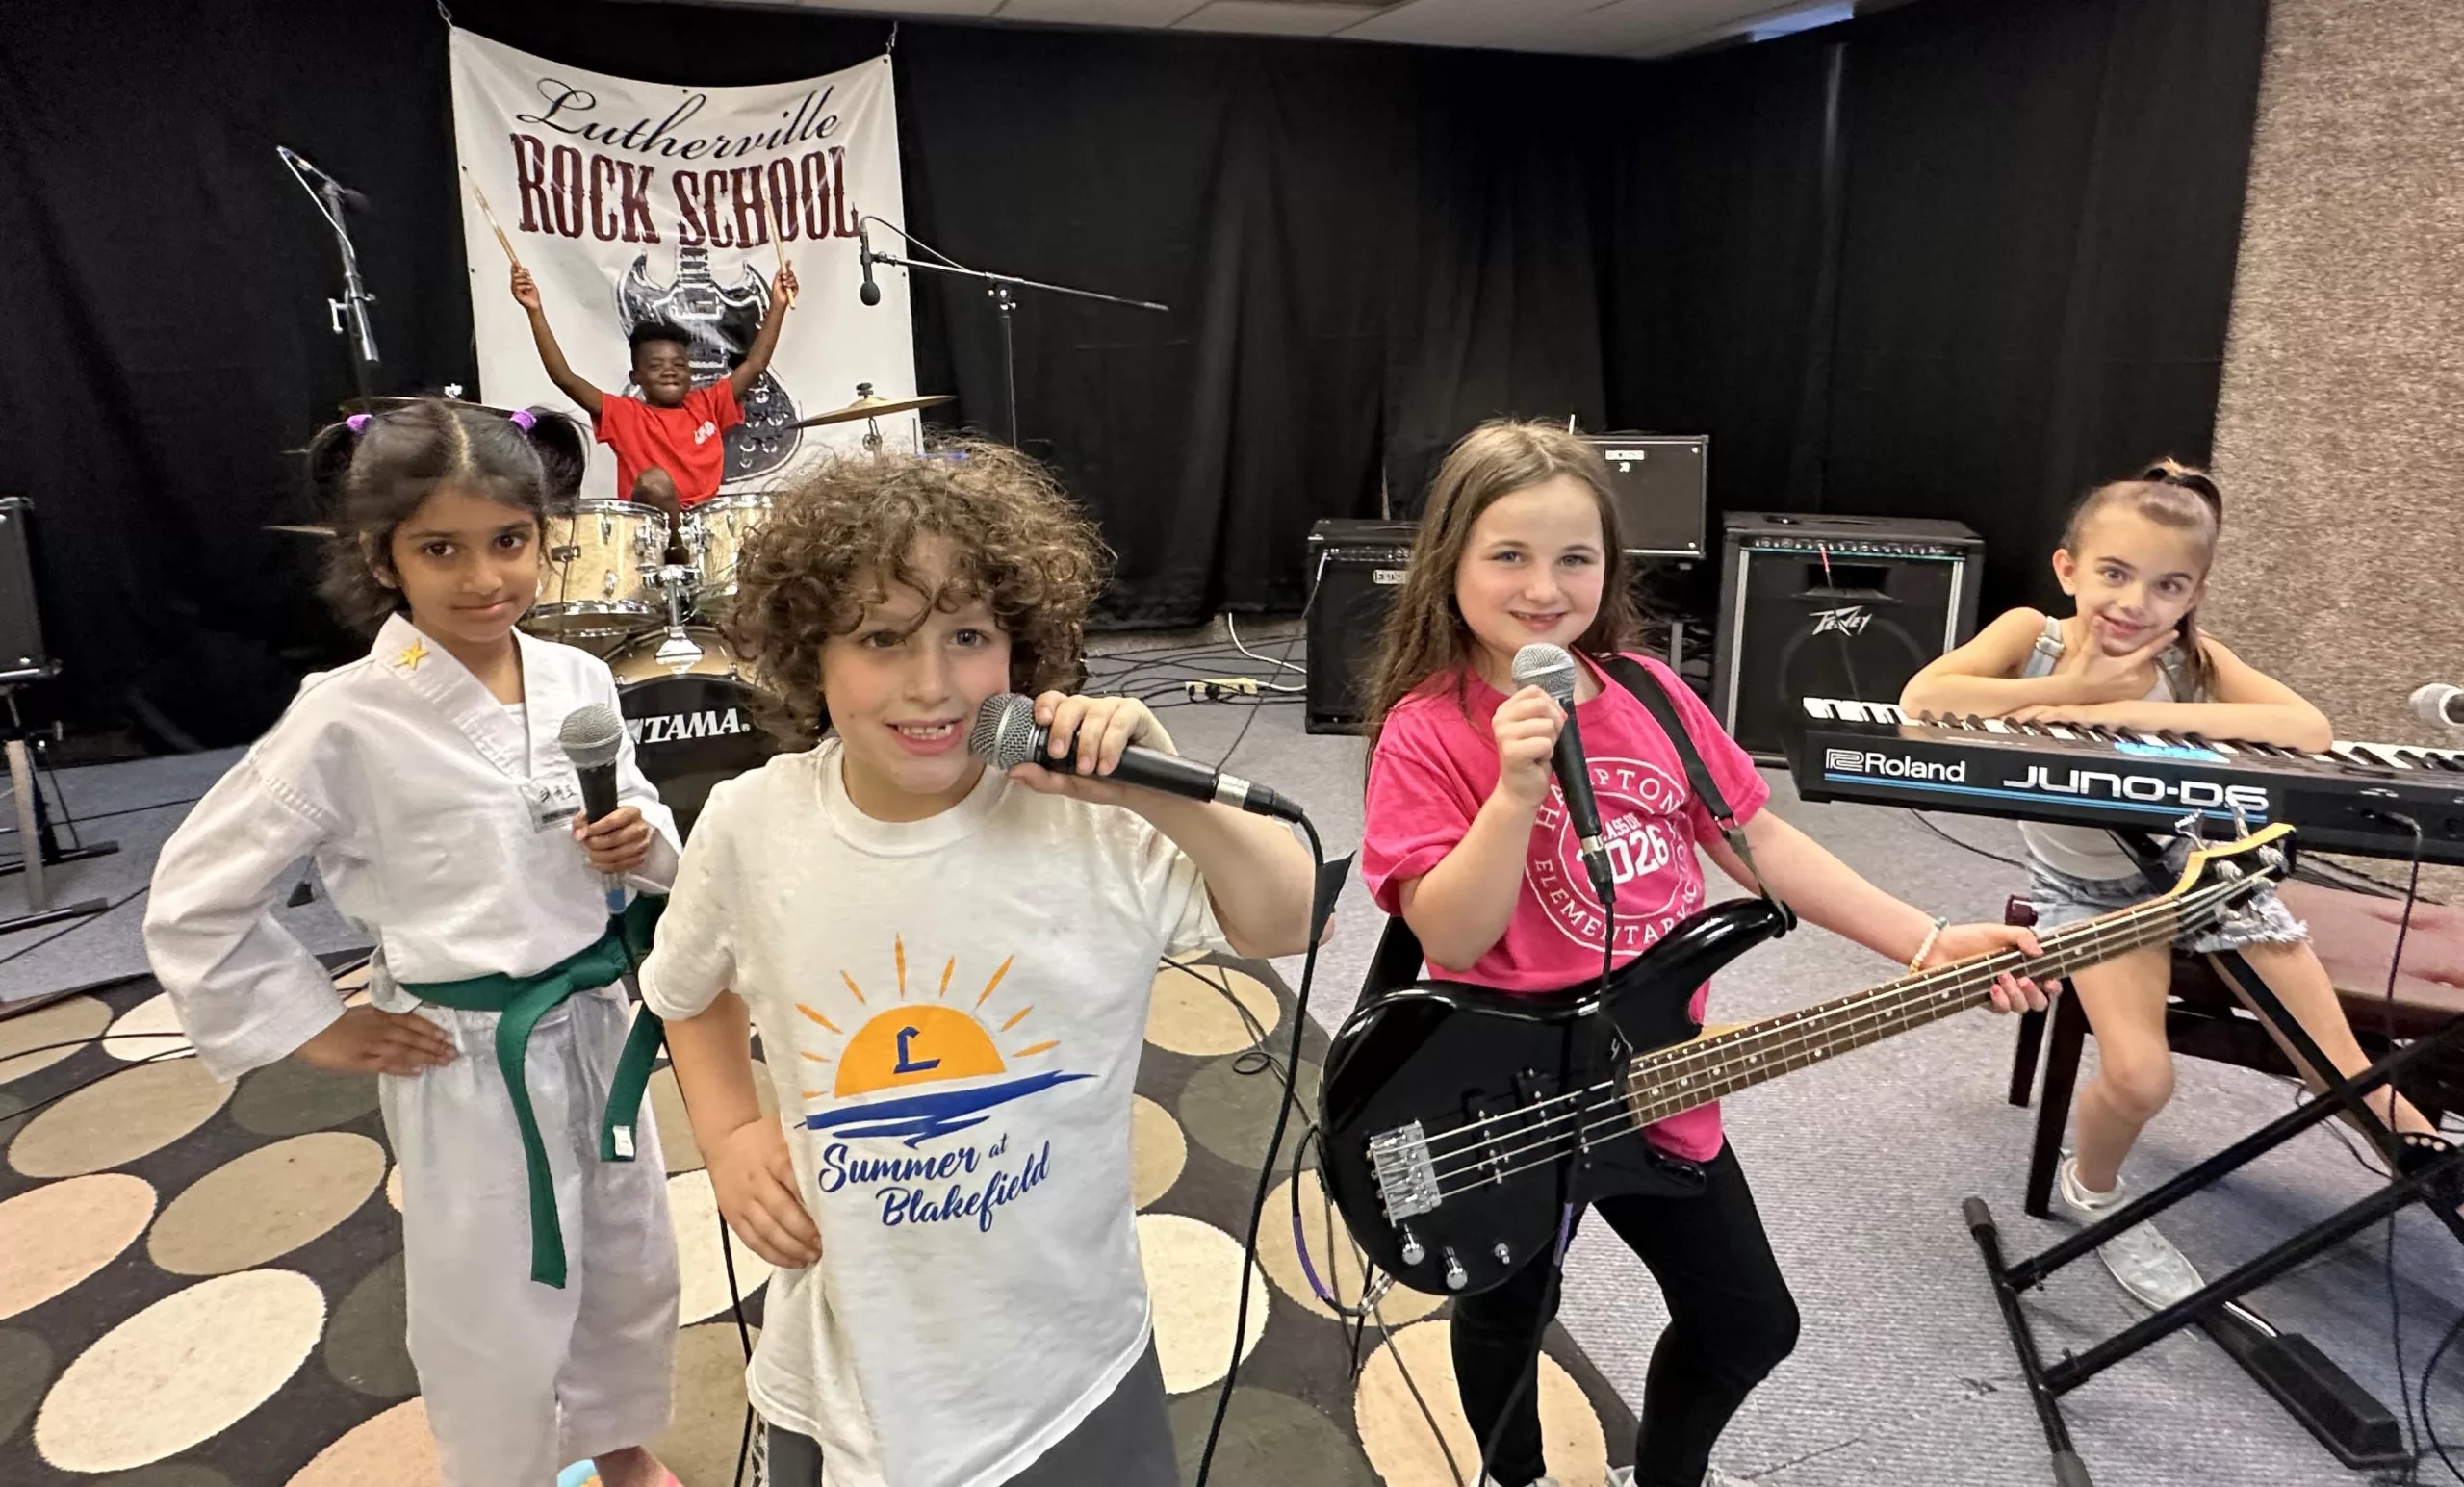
(722, 322)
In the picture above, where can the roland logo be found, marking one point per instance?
(682, 726)
(1893, 766)
(2249, 801)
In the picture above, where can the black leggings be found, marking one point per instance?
(1730, 1322)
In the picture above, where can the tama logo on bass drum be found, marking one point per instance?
(681, 727)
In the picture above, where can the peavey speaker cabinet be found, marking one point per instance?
(1838, 606)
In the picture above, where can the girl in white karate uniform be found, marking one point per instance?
(426, 782)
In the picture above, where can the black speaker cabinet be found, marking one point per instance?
(1839, 607)
(1658, 481)
(22, 658)
(1354, 568)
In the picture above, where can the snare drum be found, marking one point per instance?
(715, 533)
(689, 707)
(594, 581)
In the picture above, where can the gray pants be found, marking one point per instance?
(1126, 1442)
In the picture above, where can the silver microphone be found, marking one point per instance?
(592, 736)
(2439, 702)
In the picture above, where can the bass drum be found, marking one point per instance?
(690, 710)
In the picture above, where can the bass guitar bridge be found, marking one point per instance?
(1406, 1178)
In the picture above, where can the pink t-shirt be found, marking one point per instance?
(1434, 768)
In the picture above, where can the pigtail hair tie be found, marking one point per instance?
(524, 420)
(357, 422)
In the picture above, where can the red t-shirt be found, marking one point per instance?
(1435, 766)
(685, 439)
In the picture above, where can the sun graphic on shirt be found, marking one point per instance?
(922, 1039)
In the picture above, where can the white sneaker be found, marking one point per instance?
(2145, 1261)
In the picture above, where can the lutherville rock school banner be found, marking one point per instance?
(642, 201)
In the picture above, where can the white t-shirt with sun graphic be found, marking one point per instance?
(952, 1010)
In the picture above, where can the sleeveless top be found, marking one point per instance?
(2087, 850)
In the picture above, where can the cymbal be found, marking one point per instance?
(301, 530)
(870, 407)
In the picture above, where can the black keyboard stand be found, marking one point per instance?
(2344, 1416)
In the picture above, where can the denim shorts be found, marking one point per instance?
(2061, 899)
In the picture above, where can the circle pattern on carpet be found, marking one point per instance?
(78, 1017)
(135, 1113)
(676, 1141)
(1191, 1268)
(393, 1449)
(1232, 1113)
(394, 1187)
(182, 1370)
(1397, 1438)
(1269, 1440)
(57, 1234)
(291, 1098)
(150, 1027)
(366, 1346)
(1156, 1152)
(167, 1474)
(25, 1372)
(267, 1203)
(701, 1272)
(1338, 1260)
(1186, 1012)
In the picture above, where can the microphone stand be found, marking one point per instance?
(1004, 301)
(354, 305)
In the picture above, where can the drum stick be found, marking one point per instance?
(502, 241)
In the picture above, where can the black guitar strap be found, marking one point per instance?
(1634, 677)
(1399, 957)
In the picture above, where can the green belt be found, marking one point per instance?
(521, 1001)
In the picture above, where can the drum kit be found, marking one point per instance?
(616, 585)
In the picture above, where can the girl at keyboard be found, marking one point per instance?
(2135, 561)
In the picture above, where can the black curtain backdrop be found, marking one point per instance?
(1957, 259)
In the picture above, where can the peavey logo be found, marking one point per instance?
(680, 727)
(2249, 801)
(1894, 766)
(1849, 619)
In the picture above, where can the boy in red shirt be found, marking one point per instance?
(670, 443)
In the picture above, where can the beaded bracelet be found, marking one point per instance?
(1916, 961)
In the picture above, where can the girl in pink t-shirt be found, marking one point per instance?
(1467, 840)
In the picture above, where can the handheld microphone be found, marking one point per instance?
(591, 737)
(1551, 669)
(2439, 702)
(1006, 735)
(349, 198)
(871, 292)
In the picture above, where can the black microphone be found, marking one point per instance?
(1551, 669)
(2439, 702)
(1006, 735)
(591, 737)
(348, 198)
(871, 292)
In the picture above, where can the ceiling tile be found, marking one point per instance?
(1278, 17)
(1099, 12)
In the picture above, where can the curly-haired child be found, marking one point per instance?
(948, 967)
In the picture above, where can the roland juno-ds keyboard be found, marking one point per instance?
(2348, 799)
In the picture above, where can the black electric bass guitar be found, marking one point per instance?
(722, 320)
(1449, 1137)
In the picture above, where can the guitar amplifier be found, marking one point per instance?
(22, 656)
(1832, 607)
(1658, 483)
(1356, 567)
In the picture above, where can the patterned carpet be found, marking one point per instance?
(201, 1285)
